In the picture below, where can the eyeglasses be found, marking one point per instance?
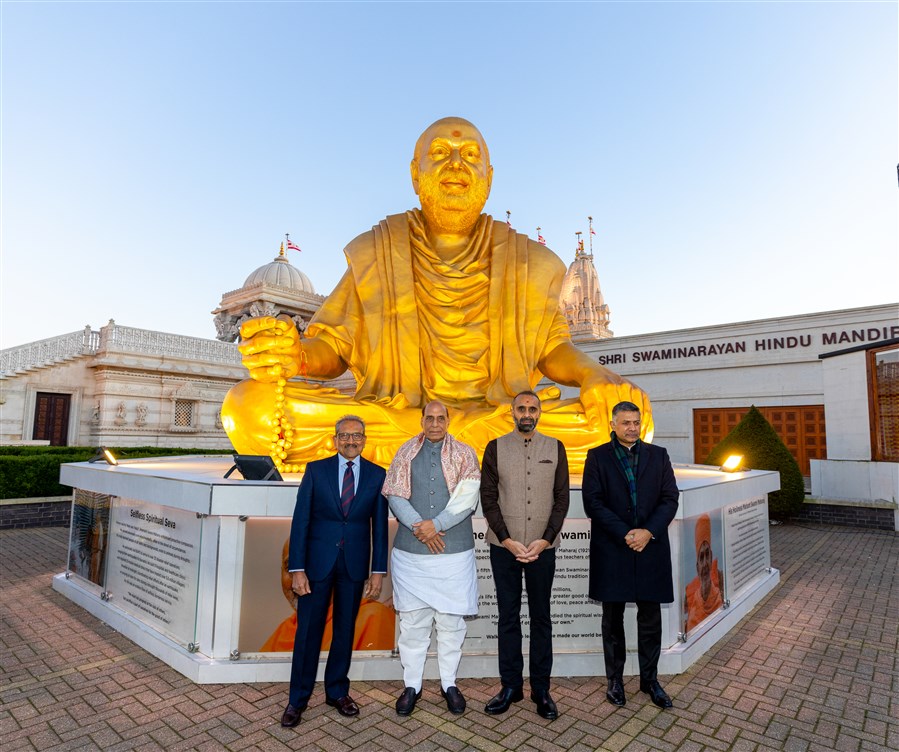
(354, 436)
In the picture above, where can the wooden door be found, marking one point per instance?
(51, 418)
(800, 427)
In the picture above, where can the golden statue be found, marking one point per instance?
(442, 303)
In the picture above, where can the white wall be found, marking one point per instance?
(846, 406)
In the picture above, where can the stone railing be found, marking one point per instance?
(115, 338)
(45, 352)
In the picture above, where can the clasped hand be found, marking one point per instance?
(637, 539)
(526, 554)
(427, 533)
(271, 348)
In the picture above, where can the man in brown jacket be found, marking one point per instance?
(524, 496)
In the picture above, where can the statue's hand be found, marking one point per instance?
(271, 348)
(600, 394)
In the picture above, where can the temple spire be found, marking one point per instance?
(581, 299)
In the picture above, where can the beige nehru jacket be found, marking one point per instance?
(525, 472)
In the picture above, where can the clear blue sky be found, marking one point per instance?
(739, 159)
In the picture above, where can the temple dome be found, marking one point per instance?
(274, 289)
(280, 273)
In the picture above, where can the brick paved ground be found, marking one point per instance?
(814, 667)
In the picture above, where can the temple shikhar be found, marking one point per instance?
(439, 302)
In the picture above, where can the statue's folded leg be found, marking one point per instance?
(296, 426)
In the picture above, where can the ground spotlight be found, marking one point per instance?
(104, 454)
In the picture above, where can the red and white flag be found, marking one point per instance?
(291, 246)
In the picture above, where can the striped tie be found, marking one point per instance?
(349, 489)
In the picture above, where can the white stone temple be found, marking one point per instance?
(123, 386)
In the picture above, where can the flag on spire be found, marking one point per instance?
(540, 238)
(509, 218)
(291, 246)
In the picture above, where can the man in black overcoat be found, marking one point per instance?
(630, 495)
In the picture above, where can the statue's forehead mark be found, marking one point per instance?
(457, 133)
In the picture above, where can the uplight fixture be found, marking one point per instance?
(104, 454)
(733, 464)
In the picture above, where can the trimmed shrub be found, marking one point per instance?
(27, 472)
(762, 449)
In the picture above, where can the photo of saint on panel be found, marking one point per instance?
(704, 594)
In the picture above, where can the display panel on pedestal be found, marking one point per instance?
(88, 536)
(747, 546)
(268, 604)
(575, 619)
(153, 566)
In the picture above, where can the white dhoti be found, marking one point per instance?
(428, 590)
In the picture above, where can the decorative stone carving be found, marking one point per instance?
(262, 308)
(121, 414)
(142, 410)
(226, 327)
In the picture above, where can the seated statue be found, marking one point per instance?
(442, 303)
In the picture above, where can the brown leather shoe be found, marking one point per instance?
(345, 705)
(291, 716)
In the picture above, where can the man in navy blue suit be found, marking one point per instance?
(630, 495)
(339, 534)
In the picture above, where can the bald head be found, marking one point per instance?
(456, 127)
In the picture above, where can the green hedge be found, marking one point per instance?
(31, 471)
(762, 449)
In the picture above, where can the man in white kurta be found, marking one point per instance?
(432, 488)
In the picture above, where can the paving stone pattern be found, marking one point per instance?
(814, 667)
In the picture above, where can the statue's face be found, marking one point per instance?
(451, 174)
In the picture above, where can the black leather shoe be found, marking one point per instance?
(615, 693)
(503, 700)
(656, 693)
(291, 716)
(405, 703)
(345, 705)
(455, 703)
(546, 708)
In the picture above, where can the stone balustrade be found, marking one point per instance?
(45, 352)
